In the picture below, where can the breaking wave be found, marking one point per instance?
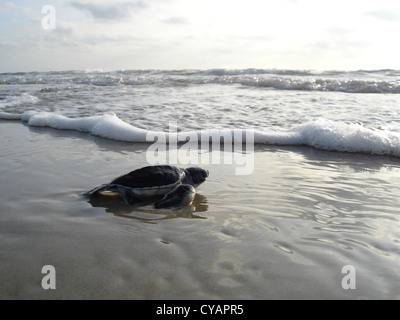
(379, 81)
(321, 134)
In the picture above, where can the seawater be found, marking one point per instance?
(285, 231)
(341, 111)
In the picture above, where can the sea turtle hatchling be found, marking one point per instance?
(175, 186)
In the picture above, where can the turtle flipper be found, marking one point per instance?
(95, 190)
(180, 197)
(129, 196)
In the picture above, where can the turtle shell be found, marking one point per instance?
(150, 181)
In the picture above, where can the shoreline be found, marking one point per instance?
(321, 134)
(283, 232)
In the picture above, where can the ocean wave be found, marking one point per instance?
(378, 81)
(18, 100)
(321, 134)
(313, 84)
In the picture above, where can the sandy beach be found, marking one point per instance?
(283, 232)
(291, 106)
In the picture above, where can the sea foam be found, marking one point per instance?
(17, 100)
(320, 134)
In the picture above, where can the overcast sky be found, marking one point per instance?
(200, 34)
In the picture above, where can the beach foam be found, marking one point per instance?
(320, 134)
(17, 100)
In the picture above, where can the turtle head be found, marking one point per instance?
(196, 176)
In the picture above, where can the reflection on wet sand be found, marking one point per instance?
(144, 212)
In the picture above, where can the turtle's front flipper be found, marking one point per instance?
(180, 197)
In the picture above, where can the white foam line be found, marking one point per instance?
(321, 134)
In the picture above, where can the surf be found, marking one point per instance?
(323, 134)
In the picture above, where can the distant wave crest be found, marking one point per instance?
(379, 81)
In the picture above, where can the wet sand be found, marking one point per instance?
(283, 232)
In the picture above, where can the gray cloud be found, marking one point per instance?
(114, 11)
(176, 20)
(384, 15)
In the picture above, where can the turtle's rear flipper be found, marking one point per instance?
(95, 190)
(130, 197)
(180, 197)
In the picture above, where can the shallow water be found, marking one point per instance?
(354, 111)
(204, 99)
(285, 231)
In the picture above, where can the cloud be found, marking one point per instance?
(384, 15)
(114, 11)
(176, 20)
